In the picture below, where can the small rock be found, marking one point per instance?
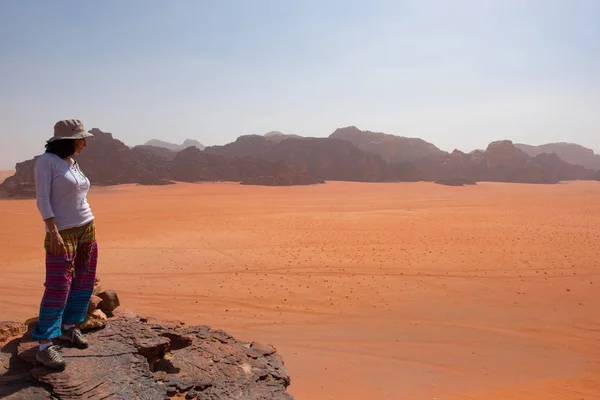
(93, 305)
(264, 349)
(97, 290)
(192, 394)
(95, 320)
(160, 375)
(203, 383)
(9, 329)
(184, 385)
(171, 391)
(110, 301)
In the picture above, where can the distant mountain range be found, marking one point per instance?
(348, 154)
(568, 152)
(175, 147)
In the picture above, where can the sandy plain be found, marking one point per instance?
(369, 291)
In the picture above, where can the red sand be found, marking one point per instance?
(379, 291)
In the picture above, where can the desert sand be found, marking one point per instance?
(5, 174)
(378, 291)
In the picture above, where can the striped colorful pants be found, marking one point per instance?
(69, 281)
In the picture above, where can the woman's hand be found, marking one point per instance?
(57, 245)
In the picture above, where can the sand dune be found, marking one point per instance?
(382, 291)
(5, 174)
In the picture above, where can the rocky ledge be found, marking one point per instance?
(133, 357)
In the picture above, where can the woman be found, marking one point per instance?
(70, 243)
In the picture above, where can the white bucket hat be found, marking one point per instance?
(69, 129)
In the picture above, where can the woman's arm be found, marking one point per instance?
(43, 188)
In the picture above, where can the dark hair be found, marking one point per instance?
(63, 147)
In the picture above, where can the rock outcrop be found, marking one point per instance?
(563, 170)
(391, 148)
(165, 153)
(502, 161)
(570, 153)
(134, 357)
(506, 163)
(108, 161)
(175, 147)
(322, 158)
(244, 146)
(349, 154)
(193, 165)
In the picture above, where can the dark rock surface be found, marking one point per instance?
(456, 182)
(193, 165)
(135, 357)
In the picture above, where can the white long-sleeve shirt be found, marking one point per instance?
(61, 190)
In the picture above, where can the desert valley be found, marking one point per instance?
(371, 280)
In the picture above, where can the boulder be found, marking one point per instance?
(110, 301)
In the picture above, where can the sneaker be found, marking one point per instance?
(75, 336)
(50, 357)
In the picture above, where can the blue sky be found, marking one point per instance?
(456, 73)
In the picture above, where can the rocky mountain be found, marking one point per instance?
(391, 148)
(506, 163)
(159, 151)
(569, 152)
(108, 161)
(175, 147)
(322, 158)
(563, 170)
(244, 146)
(193, 165)
(502, 161)
(259, 160)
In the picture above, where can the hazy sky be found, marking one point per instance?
(456, 73)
